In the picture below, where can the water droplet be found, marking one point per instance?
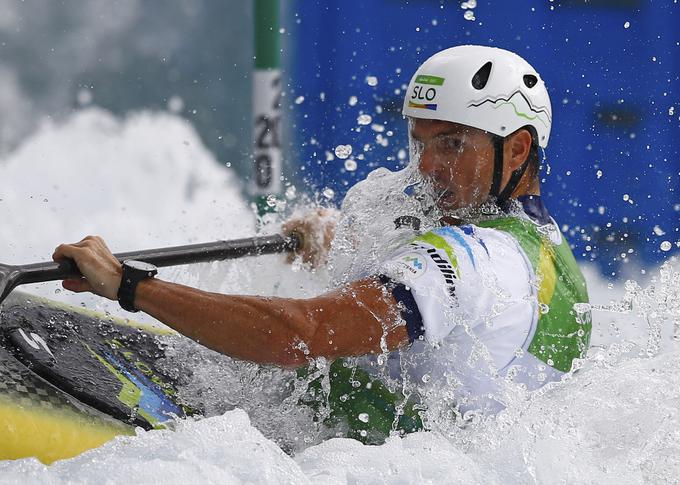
(401, 154)
(328, 193)
(299, 100)
(543, 308)
(469, 15)
(550, 362)
(271, 200)
(350, 165)
(344, 398)
(426, 378)
(363, 417)
(378, 128)
(353, 101)
(519, 352)
(666, 246)
(363, 433)
(626, 25)
(658, 231)
(371, 80)
(626, 197)
(582, 307)
(599, 174)
(343, 151)
(364, 119)
(291, 192)
(671, 111)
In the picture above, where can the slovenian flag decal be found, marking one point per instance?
(433, 107)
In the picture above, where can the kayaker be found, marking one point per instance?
(482, 301)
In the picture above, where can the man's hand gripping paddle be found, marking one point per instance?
(13, 276)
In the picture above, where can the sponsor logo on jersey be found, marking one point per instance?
(444, 266)
(446, 270)
(413, 263)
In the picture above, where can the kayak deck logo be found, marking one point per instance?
(424, 91)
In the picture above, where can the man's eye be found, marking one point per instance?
(454, 143)
(451, 144)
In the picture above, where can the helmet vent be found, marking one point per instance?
(530, 80)
(481, 77)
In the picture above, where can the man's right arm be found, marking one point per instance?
(360, 318)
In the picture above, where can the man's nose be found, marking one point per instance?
(426, 164)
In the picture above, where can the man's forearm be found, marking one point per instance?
(355, 320)
(259, 329)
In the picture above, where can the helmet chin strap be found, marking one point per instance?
(498, 144)
(502, 196)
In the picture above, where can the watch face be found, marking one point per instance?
(140, 265)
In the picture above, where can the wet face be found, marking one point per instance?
(456, 159)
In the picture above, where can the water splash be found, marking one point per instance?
(343, 151)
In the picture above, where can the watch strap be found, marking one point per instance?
(128, 286)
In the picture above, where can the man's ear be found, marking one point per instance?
(517, 147)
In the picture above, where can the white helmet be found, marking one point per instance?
(484, 87)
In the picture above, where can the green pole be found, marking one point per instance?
(266, 184)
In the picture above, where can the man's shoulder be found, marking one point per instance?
(469, 248)
(527, 231)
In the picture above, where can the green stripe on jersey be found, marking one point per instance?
(440, 243)
(560, 336)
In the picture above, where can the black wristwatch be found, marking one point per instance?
(133, 273)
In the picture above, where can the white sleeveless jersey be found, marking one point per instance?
(477, 295)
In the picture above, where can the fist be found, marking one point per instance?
(316, 230)
(101, 271)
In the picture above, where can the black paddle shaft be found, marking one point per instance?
(13, 276)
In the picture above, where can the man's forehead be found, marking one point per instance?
(424, 127)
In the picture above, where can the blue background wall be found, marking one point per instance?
(612, 89)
